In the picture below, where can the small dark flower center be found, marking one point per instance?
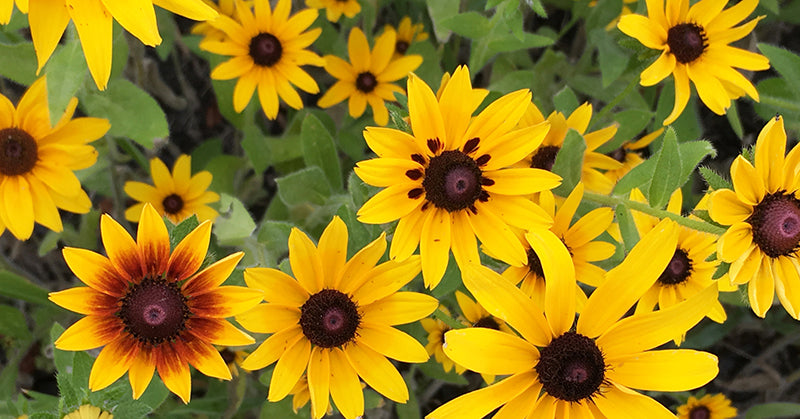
(487, 323)
(329, 318)
(154, 310)
(618, 154)
(366, 82)
(686, 41)
(571, 368)
(401, 47)
(452, 181)
(173, 204)
(678, 270)
(265, 49)
(776, 224)
(228, 355)
(18, 152)
(700, 412)
(535, 264)
(545, 157)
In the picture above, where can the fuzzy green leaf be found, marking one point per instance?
(65, 72)
(667, 175)
(713, 179)
(569, 162)
(319, 150)
(304, 186)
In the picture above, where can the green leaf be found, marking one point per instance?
(167, 29)
(304, 186)
(785, 63)
(613, 60)
(435, 370)
(630, 123)
(776, 97)
(409, 409)
(638, 176)
(66, 72)
(733, 118)
(602, 14)
(692, 153)
(627, 228)
(439, 11)
(17, 287)
(319, 150)
(470, 24)
(274, 238)
(569, 161)
(178, 232)
(565, 101)
(23, 57)
(234, 223)
(126, 106)
(13, 324)
(253, 143)
(714, 180)
(667, 175)
(773, 410)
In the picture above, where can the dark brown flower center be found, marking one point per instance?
(571, 368)
(329, 318)
(545, 157)
(173, 204)
(366, 82)
(487, 323)
(618, 154)
(686, 41)
(453, 181)
(18, 152)
(265, 49)
(700, 412)
(534, 264)
(678, 270)
(776, 224)
(154, 310)
(401, 47)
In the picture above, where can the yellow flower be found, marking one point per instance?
(436, 330)
(88, 411)
(629, 157)
(7, 7)
(37, 161)
(177, 196)
(763, 212)
(150, 309)
(593, 369)
(334, 9)
(708, 407)
(369, 78)
(267, 50)
(451, 180)
(694, 43)
(545, 155)
(225, 7)
(407, 34)
(94, 22)
(334, 320)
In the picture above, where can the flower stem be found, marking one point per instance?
(613, 201)
(449, 321)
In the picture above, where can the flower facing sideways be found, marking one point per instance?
(707, 407)
(152, 310)
(334, 9)
(407, 34)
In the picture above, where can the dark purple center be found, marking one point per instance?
(265, 49)
(173, 204)
(618, 154)
(329, 318)
(366, 82)
(678, 269)
(535, 264)
(686, 41)
(401, 47)
(487, 323)
(700, 412)
(545, 157)
(571, 368)
(452, 181)
(154, 311)
(776, 224)
(18, 152)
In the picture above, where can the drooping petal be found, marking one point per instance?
(174, 371)
(481, 402)
(94, 25)
(377, 372)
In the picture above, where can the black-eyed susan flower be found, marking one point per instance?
(763, 212)
(407, 34)
(267, 49)
(152, 310)
(436, 329)
(37, 161)
(334, 9)
(451, 180)
(707, 407)
(94, 23)
(591, 370)
(88, 411)
(333, 321)
(223, 7)
(368, 78)
(7, 7)
(593, 162)
(176, 196)
(628, 154)
(694, 43)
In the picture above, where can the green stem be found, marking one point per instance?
(449, 321)
(613, 201)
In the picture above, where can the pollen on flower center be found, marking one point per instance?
(329, 318)
(453, 181)
(545, 157)
(154, 310)
(173, 204)
(686, 41)
(366, 82)
(265, 49)
(18, 152)
(678, 269)
(571, 368)
(700, 412)
(776, 224)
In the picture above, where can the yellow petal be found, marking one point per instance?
(665, 370)
(269, 318)
(726, 208)
(122, 251)
(735, 242)
(189, 253)
(90, 332)
(377, 372)
(278, 287)
(748, 185)
(426, 118)
(659, 70)
(174, 371)
(618, 401)
(434, 246)
(319, 374)
(386, 279)
(399, 308)
(770, 150)
(345, 386)
(193, 9)
(391, 342)
(94, 26)
(497, 352)
(137, 17)
(482, 402)
(85, 300)
(113, 361)
(141, 371)
(203, 357)
(559, 297)
(643, 29)
(48, 19)
(225, 301)
(211, 277)
(682, 93)
(761, 289)
(153, 241)
(272, 348)
(390, 204)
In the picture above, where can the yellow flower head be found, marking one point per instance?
(88, 411)
(368, 77)
(37, 161)
(150, 309)
(94, 22)
(407, 34)
(710, 407)
(694, 43)
(334, 321)
(436, 330)
(451, 180)
(176, 196)
(334, 9)
(544, 156)
(267, 49)
(763, 212)
(591, 369)
(224, 7)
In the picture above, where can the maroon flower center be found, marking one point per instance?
(776, 224)
(366, 82)
(571, 368)
(154, 310)
(686, 41)
(453, 181)
(618, 154)
(700, 412)
(678, 269)
(545, 157)
(487, 323)
(18, 152)
(401, 47)
(173, 204)
(535, 264)
(329, 318)
(265, 49)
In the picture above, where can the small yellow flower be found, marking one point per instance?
(407, 34)
(88, 411)
(334, 9)
(708, 407)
